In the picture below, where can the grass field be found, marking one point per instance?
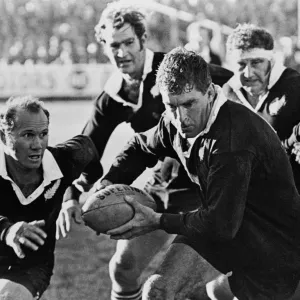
(81, 266)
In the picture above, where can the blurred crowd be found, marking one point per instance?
(62, 32)
(49, 31)
(209, 38)
(290, 51)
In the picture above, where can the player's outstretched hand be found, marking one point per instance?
(145, 220)
(70, 210)
(296, 152)
(295, 136)
(101, 184)
(30, 235)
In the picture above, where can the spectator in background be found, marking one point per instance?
(53, 49)
(34, 178)
(130, 95)
(33, 21)
(42, 55)
(288, 49)
(66, 53)
(200, 36)
(30, 51)
(263, 84)
(285, 48)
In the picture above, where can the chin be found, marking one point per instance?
(254, 90)
(126, 70)
(34, 165)
(188, 135)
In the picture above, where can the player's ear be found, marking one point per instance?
(143, 40)
(211, 93)
(2, 136)
(271, 64)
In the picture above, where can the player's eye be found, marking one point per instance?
(129, 42)
(28, 135)
(44, 134)
(188, 105)
(114, 46)
(242, 65)
(256, 62)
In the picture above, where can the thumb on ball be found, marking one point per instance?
(77, 217)
(128, 198)
(133, 202)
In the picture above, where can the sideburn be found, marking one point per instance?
(141, 45)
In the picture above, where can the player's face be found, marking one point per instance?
(254, 74)
(190, 111)
(125, 50)
(26, 143)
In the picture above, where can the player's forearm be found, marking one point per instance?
(192, 225)
(92, 172)
(132, 162)
(188, 224)
(71, 193)
(100, 126)
(98, 136)
(172, 223)
(126, 170)
(293, 138)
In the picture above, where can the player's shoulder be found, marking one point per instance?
(237, 113)
(289, 78)
(74, 154)
(77, 148)
(239, 123)
(105, 104)
(103, 97)
(290, 73)
(219, 75)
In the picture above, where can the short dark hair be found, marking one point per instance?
(28, 103)
(248, 36)
(181, 70)
(118, 13)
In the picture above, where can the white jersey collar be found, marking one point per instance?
(218, 103)
(114, 83)
(51, 172)
(235, 83)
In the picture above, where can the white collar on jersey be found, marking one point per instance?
(114, 83)
(235, 83)
(218, 103)
(51, 172)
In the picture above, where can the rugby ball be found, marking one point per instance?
(106, 209)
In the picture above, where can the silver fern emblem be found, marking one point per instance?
(51, 191)
(276, 105)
